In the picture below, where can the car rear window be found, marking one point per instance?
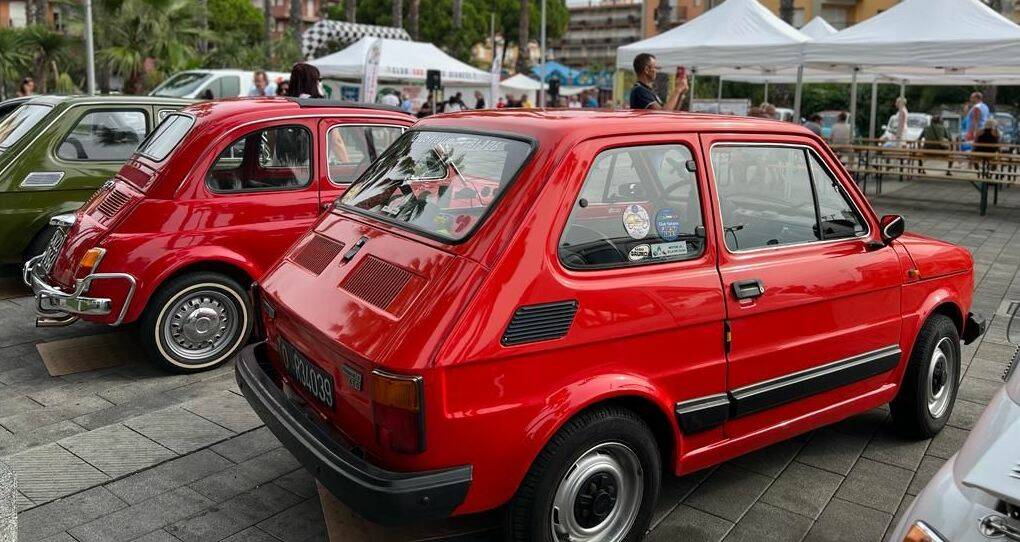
(17, 124)
(440, 183)
(166, 136)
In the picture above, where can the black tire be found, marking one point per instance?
(223, 302)
(529, 515)
(39, 242)
(911, 413)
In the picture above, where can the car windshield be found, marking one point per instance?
(181, 84)
(14, 126)
(441, 183)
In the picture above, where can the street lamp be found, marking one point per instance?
(90, 52)
(541, 95)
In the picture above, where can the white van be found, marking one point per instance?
(218, 83)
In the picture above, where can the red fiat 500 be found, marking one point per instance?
(551, 309)
(210, 200)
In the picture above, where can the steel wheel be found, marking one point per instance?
(939, 382)
(200, 324)
(599, 497)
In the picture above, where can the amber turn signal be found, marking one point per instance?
(396, 391)
(921, 532)
(92, 258)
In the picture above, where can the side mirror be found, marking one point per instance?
(892, 226)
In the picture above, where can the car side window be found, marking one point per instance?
(104, 136)
(838, 217)
(351, 149)
(638, 205)
(771, 196)
(275, 158)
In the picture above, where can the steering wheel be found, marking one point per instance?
(585, 256)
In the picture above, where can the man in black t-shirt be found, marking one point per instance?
(642, 96)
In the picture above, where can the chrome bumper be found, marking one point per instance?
(55, 307)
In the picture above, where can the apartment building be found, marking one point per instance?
(311, 11)
(594, 31)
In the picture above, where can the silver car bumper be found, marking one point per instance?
(55, 307)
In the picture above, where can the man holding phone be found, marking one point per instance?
(643, 96)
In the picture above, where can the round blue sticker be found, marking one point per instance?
(667, 224)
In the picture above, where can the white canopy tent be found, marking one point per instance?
(522, 84)
(817, 28)
(401, 61)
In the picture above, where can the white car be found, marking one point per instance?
(210, 83)
(916, 123)
(975, 496)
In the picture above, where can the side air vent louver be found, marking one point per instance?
(316, 254)
(376, 281)
(540, 322)
(113, 202)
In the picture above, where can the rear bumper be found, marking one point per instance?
(974, 327)
(379, 495)
(57, 307)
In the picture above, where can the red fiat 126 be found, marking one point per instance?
(549, 310)
(209, 201)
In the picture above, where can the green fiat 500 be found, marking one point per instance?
(56, 150)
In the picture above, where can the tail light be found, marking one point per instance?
(397, 412)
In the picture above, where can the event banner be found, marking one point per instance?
(497, 73)
(370, 80)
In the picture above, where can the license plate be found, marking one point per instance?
(314, 380)
(52, 251)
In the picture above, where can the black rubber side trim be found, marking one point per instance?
(379, 495)
(974, 327)
(785, 389)
(703, 413)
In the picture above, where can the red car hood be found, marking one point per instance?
(933, 258)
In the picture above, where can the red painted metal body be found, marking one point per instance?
(648, 336)
(171, 221)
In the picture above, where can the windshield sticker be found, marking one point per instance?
(639, 252)
(669, 250)
(636, 222)
(667, 224)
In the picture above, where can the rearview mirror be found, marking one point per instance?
(892, 226)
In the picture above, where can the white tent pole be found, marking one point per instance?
(853, 101)
(766, 99)
(718, 98)
(545, 68)
(694, 75)
(797, 94)
(90, 52)
(903, 89)
(874, 109)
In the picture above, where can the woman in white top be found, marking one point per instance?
(901, 121)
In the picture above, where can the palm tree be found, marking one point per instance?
(48, 47)
(12, 57)
(457, 13)
(522, 37)
(412, 18)
(397, 16)
(295, 19)
(203, 25)
(351, 10)
(42, 12)
(267, 13)
(786, 11)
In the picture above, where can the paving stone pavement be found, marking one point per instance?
(131, 453)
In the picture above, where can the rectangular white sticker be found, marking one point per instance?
(669, 250)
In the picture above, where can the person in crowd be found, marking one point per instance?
(979, 115)
(260, 85)
(27, 87)
(769, 111)
(479, 100)
(814, 123)
(643, 96)
(934, 137)
(591, 100)
(501, 104)
(899, 138)
(405, 103)
(426, 107)
(574, 102)
(987, 140)
(282, 87)
(338, 148)
(453, 105)
(526, 102)
(841, 133)
(304, 81)
(755, 111)
(390, 99)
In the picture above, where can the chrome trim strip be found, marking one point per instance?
(702, 403)
(812, 373)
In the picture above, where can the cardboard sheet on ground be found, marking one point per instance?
(344, 525)
(81, 354)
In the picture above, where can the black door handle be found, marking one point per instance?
(748, 289)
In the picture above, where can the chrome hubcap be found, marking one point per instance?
(200, 325)
(599, 497)
(939, 384)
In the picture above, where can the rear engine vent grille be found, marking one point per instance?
(376, 281)
(316, 254)
(540, 322)
(113, 202)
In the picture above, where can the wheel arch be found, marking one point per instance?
(236, 268)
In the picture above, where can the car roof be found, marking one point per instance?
(246, 109)
(114, 99)
(575, 124)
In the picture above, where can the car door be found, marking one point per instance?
(349, 148)
(812, 296)
(635, 257)
(259, 190)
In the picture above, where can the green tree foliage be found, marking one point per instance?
(48, 49)
(239, 17)
(437, 20)
(14, 58)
